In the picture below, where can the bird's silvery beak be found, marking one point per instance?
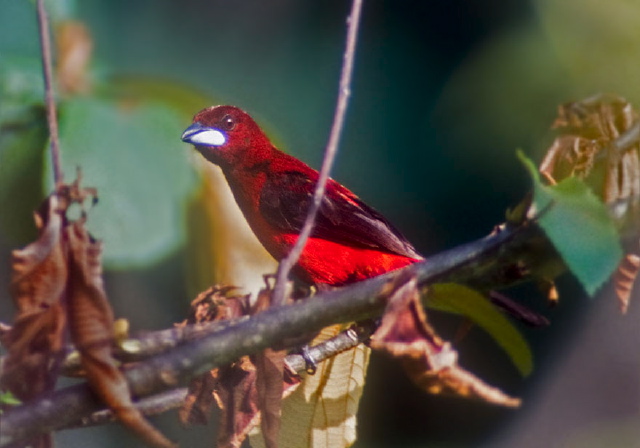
(199, 135)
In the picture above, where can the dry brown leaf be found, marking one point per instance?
(215, 303)
(236, 393)
(209, 306)
(584, 149)
(92, 330)
(624, 279)
(245, 390)
(57, 286)
(431, 363)
(237, 397)
(38, 285)
(199, 402)
(231, 387)
(35, 341)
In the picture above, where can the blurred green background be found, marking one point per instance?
(444, 92)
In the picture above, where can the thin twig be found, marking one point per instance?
(47, 69)
(152, 405)
(330, 152)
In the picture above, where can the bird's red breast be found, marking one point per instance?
(350, 240)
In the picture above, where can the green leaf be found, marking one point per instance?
(458, 299)
(131, 152)
(579, 226)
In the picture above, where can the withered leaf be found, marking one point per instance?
(237, 397)
(599, 143)
(35, 341)
(57, 287)
(246, 390)
(199, 401)
(231, 387)
(624, 279)
(583, 148)
(236, 394)
(91, 323)
(216, 303)
(38, 281)
(210, 305)
(430, 362)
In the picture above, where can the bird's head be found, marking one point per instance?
(226, 134)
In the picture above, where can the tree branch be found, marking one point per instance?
(486, 263)
(330, 153)
(150, 344)
(165, 401)
(511, 254)
(47, 69)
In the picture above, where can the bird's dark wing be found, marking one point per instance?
(342, 217)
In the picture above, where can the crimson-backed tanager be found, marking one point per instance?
(350, 240)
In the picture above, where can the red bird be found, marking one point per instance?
(350, 240)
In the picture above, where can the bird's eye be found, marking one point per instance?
(228, 123)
